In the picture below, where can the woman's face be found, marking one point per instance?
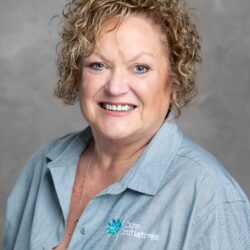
(124, 88)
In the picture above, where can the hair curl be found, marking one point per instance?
(82, 21)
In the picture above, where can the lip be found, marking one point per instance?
(117, 113)
(119, 103)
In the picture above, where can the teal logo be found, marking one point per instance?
(114, 227)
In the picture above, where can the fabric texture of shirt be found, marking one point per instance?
(176, 196)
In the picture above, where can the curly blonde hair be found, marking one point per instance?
(82, 21)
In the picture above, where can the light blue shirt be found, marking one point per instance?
(176, 197)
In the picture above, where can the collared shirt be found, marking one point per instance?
(176, 197)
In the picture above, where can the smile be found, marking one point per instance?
(118, 108)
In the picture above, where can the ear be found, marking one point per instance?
(173, 96)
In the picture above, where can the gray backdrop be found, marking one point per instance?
(29, 115)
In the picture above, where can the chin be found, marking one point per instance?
(117, 133)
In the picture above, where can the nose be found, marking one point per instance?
(117, 83)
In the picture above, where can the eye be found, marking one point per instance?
(97, 66)
(141, 69)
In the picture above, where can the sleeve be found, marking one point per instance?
(21, 203)
(225, 227)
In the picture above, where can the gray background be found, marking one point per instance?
(29, 115)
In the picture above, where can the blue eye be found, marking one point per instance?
(141, 69)
(97, 66)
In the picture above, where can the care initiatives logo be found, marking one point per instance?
(129, 229)
(114, 227)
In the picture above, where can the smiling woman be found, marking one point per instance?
(131, 173)
(125, 72)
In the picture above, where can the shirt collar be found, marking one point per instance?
(151, 168)
(69, 146)
(62, 160)
(146, 175)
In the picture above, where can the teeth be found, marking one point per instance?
(117, 107)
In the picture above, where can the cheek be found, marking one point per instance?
(159, 99)
(87, 87)
(155, 92)
(92, 83)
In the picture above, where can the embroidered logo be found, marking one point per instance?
(129, 229)
(114, 227)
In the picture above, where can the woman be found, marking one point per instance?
(131, 180)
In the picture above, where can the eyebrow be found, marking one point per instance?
(141, 54)
(131, 60)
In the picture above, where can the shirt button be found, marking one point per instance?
(83, 231)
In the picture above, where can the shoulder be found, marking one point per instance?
(36, 168)
(36, 164)
(211, 182)
(221, 218)
(22, 200)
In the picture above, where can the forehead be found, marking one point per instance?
(134, 32)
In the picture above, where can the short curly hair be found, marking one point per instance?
(82, 21)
